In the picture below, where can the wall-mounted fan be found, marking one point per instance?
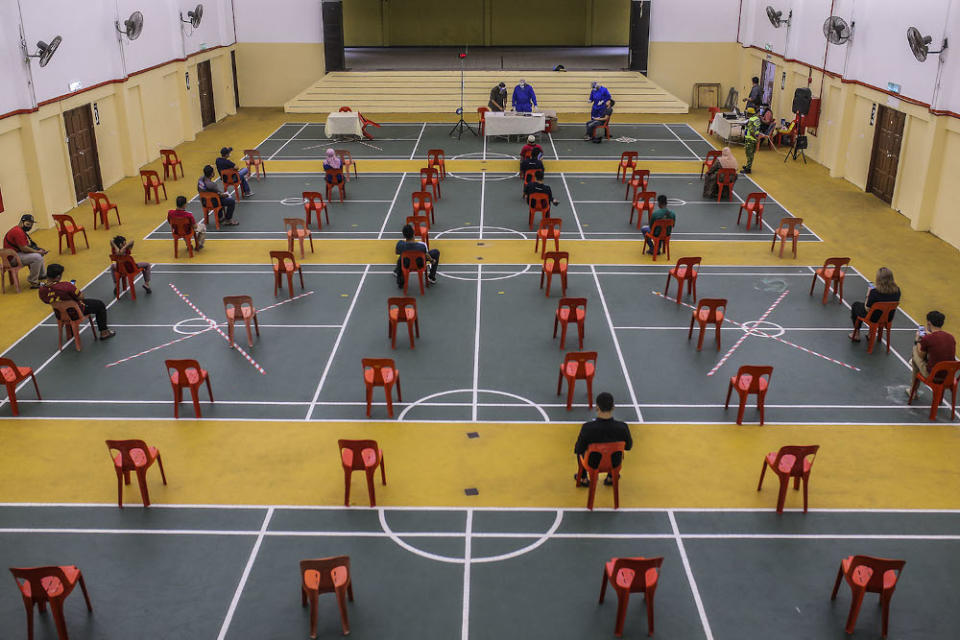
(44, 51)
(132, 26)
(920, 44)
(194, 17)
(776, 17)
(836, 30)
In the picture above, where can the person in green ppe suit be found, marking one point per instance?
(750, 134)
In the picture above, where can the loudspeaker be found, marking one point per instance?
(801, 101)
(639, 35)
(334, 56)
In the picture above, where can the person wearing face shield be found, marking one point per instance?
(498, 98)
(524, 99)
(31, 255)
(598, 96)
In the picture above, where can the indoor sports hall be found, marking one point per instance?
(660, 288)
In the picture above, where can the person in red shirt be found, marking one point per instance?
(18, 239)
(53, 290)
(932, 345)
(199, 229)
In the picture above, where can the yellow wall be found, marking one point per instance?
(262, 85)
(677, 66)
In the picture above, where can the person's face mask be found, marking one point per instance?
(522, 83)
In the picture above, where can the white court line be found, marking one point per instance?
(690, 579)
(393, 202)
(336, 344)
(483, 197)
(735, 328)
(206, 327)
(616, 344)
(695, 155)
(280, 148)
(268, 137)
(763, 220)
(556, 156)
(467, 554)
(476, 347)
(243, 578)
(573, 207)
(413, 153)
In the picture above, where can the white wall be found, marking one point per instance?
(15, 93)
(279, 21)
(693, 20)
(948, 97)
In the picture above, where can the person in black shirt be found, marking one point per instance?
(755, 96)
(598, 121)
(536, 186)
(224, 162)
(603, 429)
(409, 244)
(885, 290)
(498, 98)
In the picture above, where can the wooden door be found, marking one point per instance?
(82, 147)
(768, 75)
(208, 113)
(885, 158)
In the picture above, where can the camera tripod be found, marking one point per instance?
(462, 124)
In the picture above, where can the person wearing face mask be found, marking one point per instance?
(598, 96)
(524, 99)
(498, 98)
(31, 255)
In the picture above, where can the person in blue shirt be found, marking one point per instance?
(524, 99)
(598, 96)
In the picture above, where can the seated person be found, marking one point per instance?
(333, 161)
(885, 290)
(53, 290)
(660, 213)
(536, 186)
(596, 122)
(409, 244)
(206, 185)
(224, 162)
(534, 150)
(531, 163)
(603, 429)
(932, 346)
(120, 246)
(199, 229)
(31, 255)
(727, 161)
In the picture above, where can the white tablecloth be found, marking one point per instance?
(343, 124)
(512, 124)
(728, 129)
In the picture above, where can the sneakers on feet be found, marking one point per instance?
(147, 288)
(583, 480)
(432, 279)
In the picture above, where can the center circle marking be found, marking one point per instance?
(764, 329)
(191, 326)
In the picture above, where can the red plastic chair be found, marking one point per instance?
(364, 123)
(750, 379)
(341, 185)
(170, 163)
(790, 462)
(136, 456)
(346, 110)
(381, 372)
(660, 240)
(67, 227)
(528, 177)
(550, 228)
(101, 208)
(708, 311)
(789, 228)
(712, 156)
(326, 575)
(643, 201)
(421, 227)
(713, 112)
(297, 230)
(313, 203)
(639, 181)
(10, 266)
(211, 203)
(284, 264)
(538, 203)
(570, 310)
(606, 129)
(422, 203)
(430, 176)
(482, 120)
(187, 374)
(628, 160)
(942, 377)
(181, 229)
(69, 318)
(753, 205)
(361, 455)
(40, 585)
(347, 161)
(231, 180)
(868, 574)
(686, 270)
(436, 160)
(402, 310)
(555, 262)
(577, 365)
(12, 377)
(151, 180)
(255, 163)
(884, 322)
(606, 451)
(240, 308)
(631, 575)
(725, 179)
(125, 272)
(832, 273)
(413, 261)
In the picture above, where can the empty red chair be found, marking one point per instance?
(643, 201)
(550, 228)
(381, 372)
(69, 317)
(136, 456)
(712, 156)
(101, 208)
(151, 180)
(402, 310)
(67, 227)
(346, 162)
(570, 310)
(708, 311)
(211, 203)
(753, 205)
(943, 376)
(436, 160)
(482, 120)
(326, 575)
(12, 377)
(713, 111)
(884, 322)
(555, 262)
(40, 585)
(346, 110)
(421, 227)
(240, 308)
(832, 273)
(181, 229)
(630, 575)
(867, 574)
(639, 180)
(790, 462)
(528, 177)
(364, 123)
(284, 264)
(187, 374)
(415, 261)
(750, 379)
(231, 180)
(577, 365)
(336, 181)
(170, 163)
(422, 203)
(361, 455)
(608, 458)
(725, 180)
(124, 274)
(685, 271)
(10, 266)
(297, 230)
(538, 203)
(255, 163)
(313, 203)
(659, 235)
(789, 228)
(430, 176)
(628, 160)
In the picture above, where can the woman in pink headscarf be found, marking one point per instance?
(727, 161)
(333, 161)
